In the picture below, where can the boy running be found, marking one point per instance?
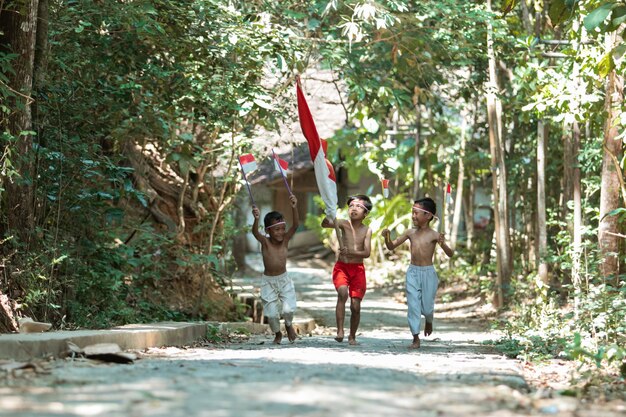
(277, 288)
(421, 277)
(349, 272)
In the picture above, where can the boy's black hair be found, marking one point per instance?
(273, 217)
(428, 204)
(366, 200)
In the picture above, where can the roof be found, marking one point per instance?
(298, 158)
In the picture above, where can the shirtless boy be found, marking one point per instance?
(421, 277)
(277, 288)
(349, 272)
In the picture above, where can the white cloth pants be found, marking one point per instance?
(421, 287)
(279, 297)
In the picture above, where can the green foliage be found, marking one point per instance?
(592, 332)
(214, 334)
(612, 355)
(531, 348)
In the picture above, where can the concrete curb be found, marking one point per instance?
(23, 347)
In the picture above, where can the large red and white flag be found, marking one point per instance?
(324, 172)
(248, 163)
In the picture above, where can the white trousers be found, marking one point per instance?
(421, 287)
(279, 297)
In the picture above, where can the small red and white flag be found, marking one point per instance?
(324, 172)
(248, 163)
(385, 184)
(448, 194)
(280, 164)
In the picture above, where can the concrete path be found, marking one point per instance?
(452, 375)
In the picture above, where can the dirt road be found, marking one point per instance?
(453, 374)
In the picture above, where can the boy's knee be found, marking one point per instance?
(342, 294)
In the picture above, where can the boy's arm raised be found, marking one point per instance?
(255, 225)
(295, 216)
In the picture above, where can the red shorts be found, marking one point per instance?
(352, 276)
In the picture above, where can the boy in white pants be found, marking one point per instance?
(421, 277)
(277, 291)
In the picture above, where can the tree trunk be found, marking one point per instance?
(577, 218)
(610, 189)
(18, 23)
(456, 217)
(499, 187)
(8, 323)
(468, 211)
(542, 235)
(526, 19)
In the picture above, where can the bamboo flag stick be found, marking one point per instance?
(440, 227)
(449, 200)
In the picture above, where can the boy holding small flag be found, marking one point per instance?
(421, 277)
(278, 294)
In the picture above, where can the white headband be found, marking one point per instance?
(275, 224)
(360, 205)
(425, 211)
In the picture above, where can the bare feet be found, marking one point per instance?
(278, 337)
(291, 334)
(352, 341)
(416, 343)
(339, 336)
(428, 329)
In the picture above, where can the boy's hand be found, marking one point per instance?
(386, 233)
(343, 251)
(326, 222)
(256, 212)
(442, 238)
(293, 200)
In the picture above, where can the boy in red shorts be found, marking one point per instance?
(349, 272)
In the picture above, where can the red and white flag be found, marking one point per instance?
(248, 163)
(324, 172)
(448, 194)
(385, 184)
(280, 164)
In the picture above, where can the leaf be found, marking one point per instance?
(606, 65)
(558, 12)
(596, 17)
(507, 6)
(263, 104)
(618, 16)
(184, 166)
(620, 210)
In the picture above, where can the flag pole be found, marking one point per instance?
(281, 172)
(443, 213)
(382, 185)
(449, 199)
(247, 184)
